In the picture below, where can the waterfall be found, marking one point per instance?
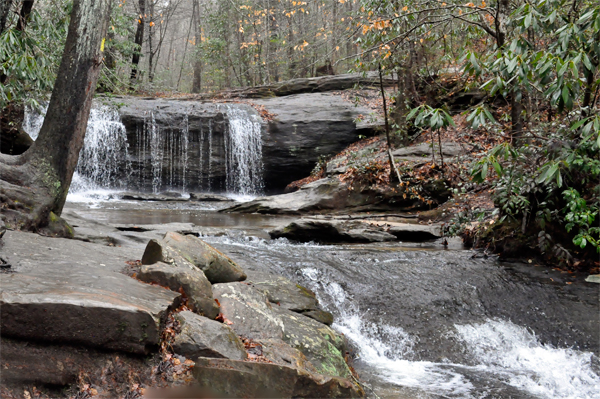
(101, 160)
(156, 153)
(103, 152)
(183, 146)
(166, 150)
(33, 120)
(243, 148)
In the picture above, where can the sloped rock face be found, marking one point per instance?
(252, 316)
(55, 299)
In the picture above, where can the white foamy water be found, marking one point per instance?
(101, 158)
(503, 353)
(517, 356)
(243, 148)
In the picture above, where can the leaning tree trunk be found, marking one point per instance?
(34, 185)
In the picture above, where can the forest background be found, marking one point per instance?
(534, 65)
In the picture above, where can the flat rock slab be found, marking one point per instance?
(68, 291)
(423, 150)
(415, 232)
(236, 379)
(203, 337)
(306, 230)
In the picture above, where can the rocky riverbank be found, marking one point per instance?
(85, 318)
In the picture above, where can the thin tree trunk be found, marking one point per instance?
(21, 24)
(394, 174)
(150, 37)
(139, 39)
(36, 183)
(184, 52)
(5, 6)
(197, 82)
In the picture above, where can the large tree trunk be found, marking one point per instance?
(35, 184)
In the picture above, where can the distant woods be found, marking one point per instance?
(199, 45)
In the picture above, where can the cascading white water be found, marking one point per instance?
(243, 148)
(103, 153)
(501, 350)
(33, 120)
(183, 146)
(104, 150)
(156, 153)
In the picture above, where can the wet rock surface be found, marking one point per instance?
(202, 337)
(307, 230)
(237, 379)
(54, 298)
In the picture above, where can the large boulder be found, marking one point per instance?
(217, 267)
(326, 231)
(202, 337)
(305, 128)
(176, 248)
(252, 316)
(236, 379)
(186, 277)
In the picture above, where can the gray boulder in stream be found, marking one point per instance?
(217, 267)
(252, 316)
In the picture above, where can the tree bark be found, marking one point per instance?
(5, 6)
(197, 81)
(139, 39)
(35, 184)
(24, 14)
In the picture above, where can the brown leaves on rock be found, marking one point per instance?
(221, 317)
(255, 351)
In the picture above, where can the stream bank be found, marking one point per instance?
(422, 321)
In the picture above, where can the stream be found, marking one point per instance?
(423, 322)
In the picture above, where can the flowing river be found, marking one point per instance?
(423, 322)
